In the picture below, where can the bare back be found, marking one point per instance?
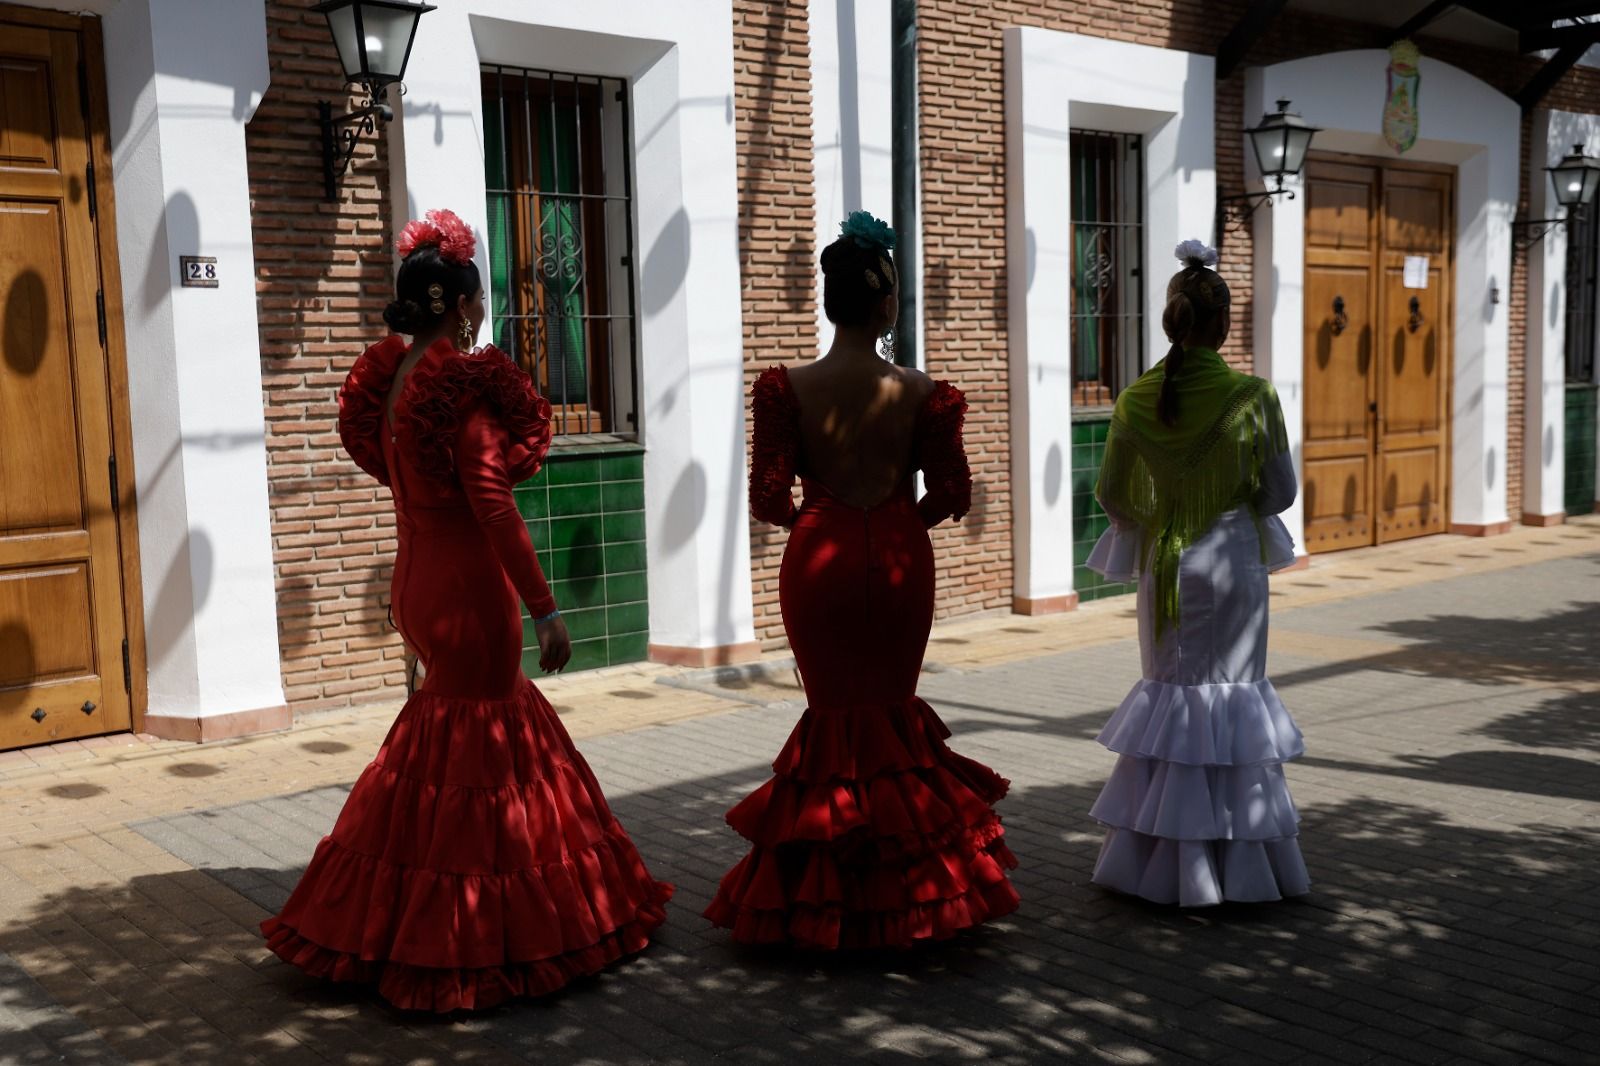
(858, 421)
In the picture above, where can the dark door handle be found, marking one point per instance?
(1340, 319)
(1415, 320)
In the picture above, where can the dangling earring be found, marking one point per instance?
(886, 345)
(464, 335)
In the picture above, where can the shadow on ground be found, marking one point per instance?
(1424, 940)
(1429, 937)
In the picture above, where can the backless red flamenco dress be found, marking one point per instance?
(872, 832)
(475, 859)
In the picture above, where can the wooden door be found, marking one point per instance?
(63, 654)
(1377, 351)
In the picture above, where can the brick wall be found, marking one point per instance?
(323, 274)
(777, 226)
(1517, 344)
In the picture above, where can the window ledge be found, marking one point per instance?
(594, 443)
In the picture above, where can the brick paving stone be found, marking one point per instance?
(1451, 807)
(35, 1029)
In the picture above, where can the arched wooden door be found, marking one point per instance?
(65, 660)
(1378, 307)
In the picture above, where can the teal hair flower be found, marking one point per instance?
(868, 231)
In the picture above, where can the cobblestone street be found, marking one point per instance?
(1449, 691)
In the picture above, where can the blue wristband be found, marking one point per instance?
(552, 616)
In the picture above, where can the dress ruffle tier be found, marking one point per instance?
(1197, 808)
(475, 860)
(872, 833)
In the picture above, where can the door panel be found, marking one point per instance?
(61, 602)
(26, 103)
(1341, 239)
(40, 466)
(1376, 400)
(1412, 393)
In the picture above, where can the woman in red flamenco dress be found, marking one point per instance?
(476, 859)
(872, 833)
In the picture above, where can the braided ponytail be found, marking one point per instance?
(1177, 321)
(1196, 296)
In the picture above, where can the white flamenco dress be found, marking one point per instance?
(1197, 810)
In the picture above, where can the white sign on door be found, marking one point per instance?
(1416, 272)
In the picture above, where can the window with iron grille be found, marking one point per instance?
(1583, 263)
(560, 188)
(1107, 264)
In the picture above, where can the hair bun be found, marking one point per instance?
(403, 316)
(1196, 253)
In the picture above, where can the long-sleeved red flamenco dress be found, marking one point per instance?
(872, 832)
(476, 858)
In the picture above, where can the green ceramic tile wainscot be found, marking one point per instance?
(622, 495)
(578, 471)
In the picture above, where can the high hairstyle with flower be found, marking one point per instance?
(1197, 303)
(439, 229)
(858, 271)
(436, 271)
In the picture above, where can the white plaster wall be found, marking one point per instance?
(1544, 390)
(678, 57)
(851, 119)
(183, 79)
(1464, 122)
(1054, 82)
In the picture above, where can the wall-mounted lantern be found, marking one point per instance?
(1280, 144)
(374, 40)
(1575, 178)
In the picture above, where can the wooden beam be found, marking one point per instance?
(1545, 80)
(1422, 18)
(1251, 25)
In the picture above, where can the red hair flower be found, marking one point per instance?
(441, 229)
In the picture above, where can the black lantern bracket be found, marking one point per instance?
(1528, 232)
(341, 135)
(1234, 212)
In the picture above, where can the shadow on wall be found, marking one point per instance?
(184, 590)
(27, 323)
(18, 664)
(182, 236)
(686, 507)
(666, 264)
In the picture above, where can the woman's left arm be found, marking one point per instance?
(480, 448)
(1278, 485)
(942, 455)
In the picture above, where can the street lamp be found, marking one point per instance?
(1575, 180)
(374, 40)
(1280, 144)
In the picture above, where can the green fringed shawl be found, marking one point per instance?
(1175, 481)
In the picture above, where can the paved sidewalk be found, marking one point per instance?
(1450, 694)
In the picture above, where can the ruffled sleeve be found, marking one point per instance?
(774, 448)
(444, 391)
(942, 457)
(361, 403)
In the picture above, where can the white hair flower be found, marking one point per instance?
(1196, 254)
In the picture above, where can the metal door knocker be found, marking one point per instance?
(1415, 320)
(1340, 319)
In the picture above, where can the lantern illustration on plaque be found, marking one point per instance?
(1400, 119)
